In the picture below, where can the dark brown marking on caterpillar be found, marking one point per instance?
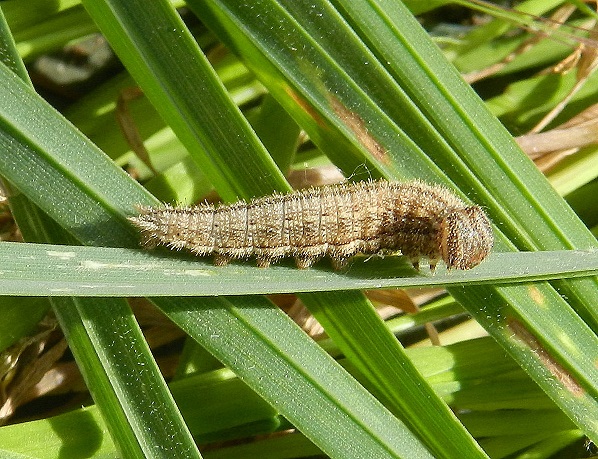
(376, 217)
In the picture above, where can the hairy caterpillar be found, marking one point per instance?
(375, 217)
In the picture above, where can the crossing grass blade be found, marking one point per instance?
(59, 270)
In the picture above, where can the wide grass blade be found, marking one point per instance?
(35, 269)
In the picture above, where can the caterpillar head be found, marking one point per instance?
(465, 237)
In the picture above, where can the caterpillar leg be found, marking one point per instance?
(268, 255)
(307, 256)
(340, 254)
(263, 262)
(148, 241)
(221, 260)
(415, 263)
(305, 261)
(339, 262)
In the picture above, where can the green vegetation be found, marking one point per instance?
(224, 103)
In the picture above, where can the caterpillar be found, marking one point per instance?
(340, 221)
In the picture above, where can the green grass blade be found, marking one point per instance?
(108, 344)
(361, 427)
(20, 316)
(27, 142)
(58, 270)
(359, 332)
(92, 327)
(178, 79)
(461, 367)
(113, 351)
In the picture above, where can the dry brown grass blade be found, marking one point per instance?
(555, 21)
(25, 363)
(549, 148)
(315, 176)
(128, 126)
(585, 59)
